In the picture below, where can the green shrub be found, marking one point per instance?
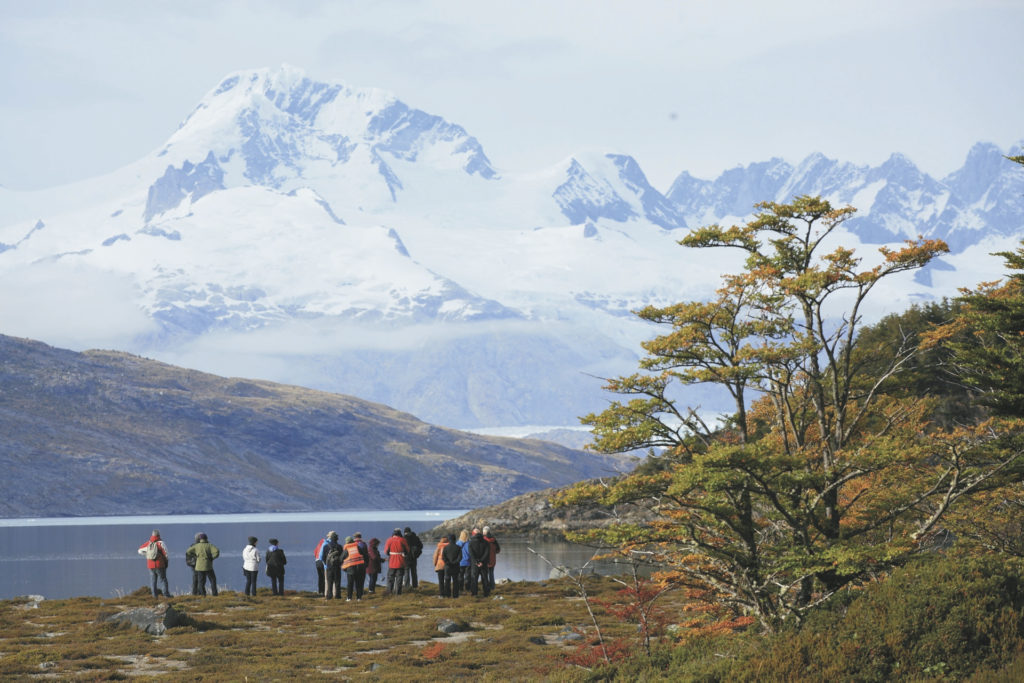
(938, 617)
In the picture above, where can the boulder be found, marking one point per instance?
(570, 635)
(154, 620)
(561, 571)
(31, 601)
(449, 626)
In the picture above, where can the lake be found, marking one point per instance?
(97, 556)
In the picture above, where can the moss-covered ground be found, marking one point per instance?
(518, 633)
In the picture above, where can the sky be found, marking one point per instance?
(684, 85)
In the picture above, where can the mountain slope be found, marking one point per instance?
(102, 433)
(313, 233)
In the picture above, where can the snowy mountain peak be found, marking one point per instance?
(315, 233)
(613, 187)
(984, 163)
(281, 129)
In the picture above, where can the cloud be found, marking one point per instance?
(71, 306)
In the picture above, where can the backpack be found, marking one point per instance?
(153, 551)
(334, 555)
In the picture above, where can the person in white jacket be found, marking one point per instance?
(251, 565)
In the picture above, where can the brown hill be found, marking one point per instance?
(103, 433)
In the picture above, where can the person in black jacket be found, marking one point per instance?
(275, 567)
(416, 548)
(479, 555)
(452, 556)
(495, 548)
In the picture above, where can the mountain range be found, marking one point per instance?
(316, 234)
(110, 433)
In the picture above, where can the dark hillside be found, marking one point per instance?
(102, 432)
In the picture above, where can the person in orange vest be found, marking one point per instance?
(396, 549)
(439, 565)
(353, 563)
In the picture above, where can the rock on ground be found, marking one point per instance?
(449, 626)
(154, 620)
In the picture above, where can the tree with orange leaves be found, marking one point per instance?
(819, 478)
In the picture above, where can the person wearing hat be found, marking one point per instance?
(251, 565)
(353, 563)
(155, 552)
(330, 556)
(275, 567)
(365, 550)
(396, 550)
(203, 553)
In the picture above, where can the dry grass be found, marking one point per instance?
(300, 635)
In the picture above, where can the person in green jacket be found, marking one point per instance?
(204, 554)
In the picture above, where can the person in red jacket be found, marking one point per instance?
(396, 549)
(155, 552)
(319, 563)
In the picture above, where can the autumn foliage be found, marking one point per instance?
(824, 475)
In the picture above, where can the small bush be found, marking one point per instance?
(940, 618)
(945, 617)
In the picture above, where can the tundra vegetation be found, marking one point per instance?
(522, 632)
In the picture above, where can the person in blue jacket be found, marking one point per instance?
(330, 556)
(463, 543)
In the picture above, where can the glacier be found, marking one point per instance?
(313, 233)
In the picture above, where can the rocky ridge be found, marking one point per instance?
(532, 514)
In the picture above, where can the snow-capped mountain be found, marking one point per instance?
(317, 234)
(895, 201)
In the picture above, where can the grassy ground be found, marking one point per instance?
(515, 634)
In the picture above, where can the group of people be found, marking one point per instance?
(466, 563)
(362, 563)
(462, 564)
(200, 556)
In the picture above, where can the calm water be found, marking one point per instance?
(67, 557)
